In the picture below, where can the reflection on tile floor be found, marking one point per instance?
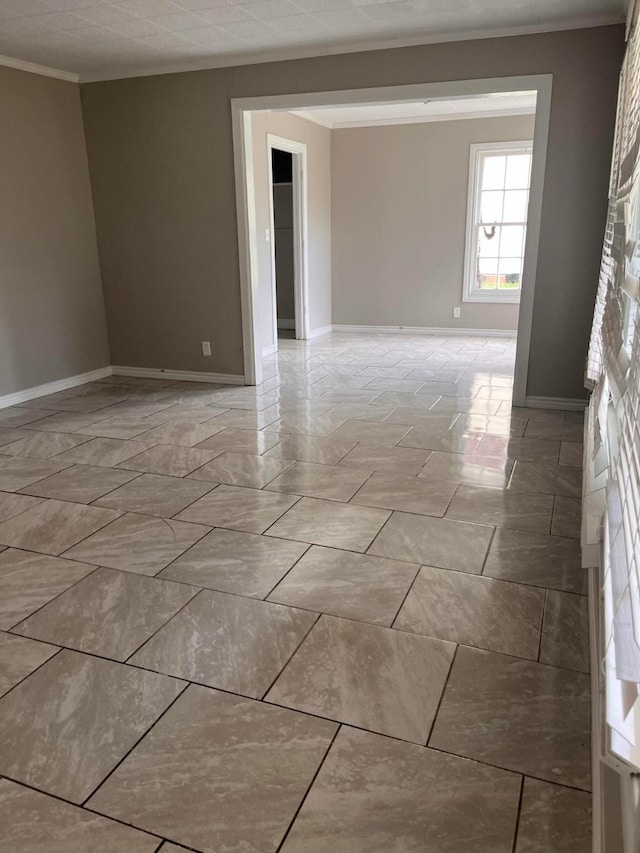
(332, 612)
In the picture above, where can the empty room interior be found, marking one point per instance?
(319, 426)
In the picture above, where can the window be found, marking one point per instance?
(499, 177)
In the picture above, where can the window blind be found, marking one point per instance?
(613, 373)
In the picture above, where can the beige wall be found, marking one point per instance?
(161, 158)
(318, 142)
(52, 321)
(399, 196)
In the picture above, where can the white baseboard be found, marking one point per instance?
(178, 375)
(565, 403)
(426, 330)
(323, 330)
(286, 324)
(53, 387)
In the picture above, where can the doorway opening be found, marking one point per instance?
(514, 288)
(287, 305)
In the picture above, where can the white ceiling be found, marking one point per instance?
(501, 103)
(98, 39)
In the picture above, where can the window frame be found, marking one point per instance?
(470, 292)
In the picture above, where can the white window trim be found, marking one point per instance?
(470, 293)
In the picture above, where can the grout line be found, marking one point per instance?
(516, 828)
(308, 791)
(442, 692)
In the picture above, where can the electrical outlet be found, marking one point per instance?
(456, 313)
(206, 348)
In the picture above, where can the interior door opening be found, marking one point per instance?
(283, 250)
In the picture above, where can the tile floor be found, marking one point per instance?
(342, 612)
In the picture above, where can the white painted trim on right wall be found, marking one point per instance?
(563, 403)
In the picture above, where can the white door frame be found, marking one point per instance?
(241, 109)
(298, 151)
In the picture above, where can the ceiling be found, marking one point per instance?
(498, 104)
(98, 40)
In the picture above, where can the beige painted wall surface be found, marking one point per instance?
(399, 196)
(161, 157)
(52, 320)
(318, 142)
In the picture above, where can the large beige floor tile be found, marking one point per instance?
(232, 561)
(567, 516)
(118, 426)
(239, 441)
(386, 459)
(427, 437)
(138, 543)
(336, 525)
(27, 581)
(571, 454)
(374, 795)
(12, 505)
(554, 818)
(370, 432)
(536, 559)
(546, 477)
(375, 678)
(105, 452)
(250, 510)
(43, 445)
(517, 714)
(502, 508)
(241, 469)
(18, 658)
(15, 473)
(319, 481)
(183, 433)
(8, 436)
(565, 631)
(356, 586)
(436, 542)
(17, 416)
(313, 423)
(218, 773)
(169, 459)
(471, 469)
(231, 642)
(554, 430)
(155, 494)
(405, 493)
(310, 448)
(31, 822)
(52, 527)
(523, 449)
(68, 724)
(109, 613)
(476, 611)
(80, 483)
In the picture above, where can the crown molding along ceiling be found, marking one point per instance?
(85, 40)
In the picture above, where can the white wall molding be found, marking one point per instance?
(323, 330)
(53, 387)
(309, 115)
(565, 403)
(43, 70)
(427, 330)
(178, 375)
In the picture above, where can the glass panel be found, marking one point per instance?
(493, 172)
(511, 241)
(515, 206)
(488, 241)
(518, 171)
(510, 274)
(487, 273)
(491, 206)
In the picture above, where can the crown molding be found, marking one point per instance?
(42, 70)
(381, 122)
(337, 48)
